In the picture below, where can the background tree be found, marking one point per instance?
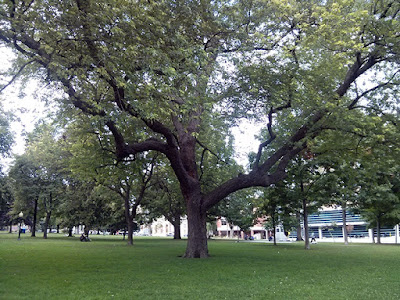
(46, 153)
(6, 201)
(238, 209)
(26, 190)
(378, 197)
(272, 200)
(165, 199)
(91, 158)
(6, 141)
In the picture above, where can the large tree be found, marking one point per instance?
(169, 68)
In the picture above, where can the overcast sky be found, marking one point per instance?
(27, 109)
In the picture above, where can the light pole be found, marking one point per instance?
(20, 215)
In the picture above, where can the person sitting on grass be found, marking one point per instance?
(84, 238)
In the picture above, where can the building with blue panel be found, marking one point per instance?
(328, 223)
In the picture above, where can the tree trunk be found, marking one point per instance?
(274, 227)
(197, 232)
(10, 231)
(58, 228)
(70, 232)
(378, 231)
(177, 228)
(344, 219)
(305, 216)
(46, 224)
(129, 219)
(34, 218)
(298, 227)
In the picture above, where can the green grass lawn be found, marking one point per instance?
(65, 268)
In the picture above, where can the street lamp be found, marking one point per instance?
(20, 215)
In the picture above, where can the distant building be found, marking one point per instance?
(162, 227)
(326, 224)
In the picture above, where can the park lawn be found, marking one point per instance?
(106, 268)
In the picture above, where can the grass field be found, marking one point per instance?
(65, 268)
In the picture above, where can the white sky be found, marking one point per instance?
(26, 108)
(245, 141)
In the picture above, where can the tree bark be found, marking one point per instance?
(305, 216)
(231, 232)
(47, 207)
(177, 228)
(378, 231)
(10, 230)
(46, 224)
(34, 218)
(70, 232)
(298, 227)
(197, 233)
(129, 218)
(86, 231)
(274, 226)
(344, 219)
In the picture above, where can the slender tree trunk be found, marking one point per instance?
(305, 216)
(47, 207)
(70, 232)
(10, 230)
(129, 218)
(344, 219)
(378, 231)
(298, 228)
(274, 227)
(197, 232)
(58, 228)
(177, 228)
(46, 224)
(34, 218)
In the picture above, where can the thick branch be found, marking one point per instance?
(358, 68)
(124, 150)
